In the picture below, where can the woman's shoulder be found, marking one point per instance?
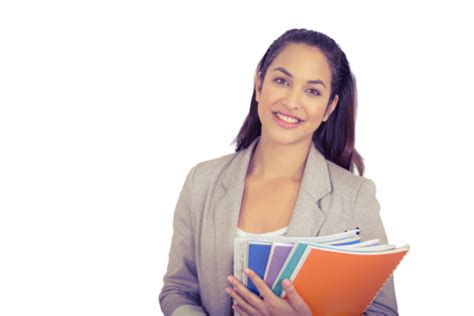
(344, 179)
(211, 165)
(209, 170)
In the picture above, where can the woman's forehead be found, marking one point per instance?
(303, 62)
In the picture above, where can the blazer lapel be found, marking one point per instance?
(226, 215)
(306, 218)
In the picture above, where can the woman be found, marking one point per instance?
(291, 174)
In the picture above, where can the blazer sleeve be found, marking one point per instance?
(180, 292)
(366, 216)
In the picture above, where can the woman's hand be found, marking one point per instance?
(247, 303)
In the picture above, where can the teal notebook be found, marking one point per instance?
(290, 265)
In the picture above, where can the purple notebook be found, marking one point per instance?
(278, 254)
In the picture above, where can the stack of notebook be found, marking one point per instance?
(334, 274)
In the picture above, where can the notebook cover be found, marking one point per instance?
(338, 283)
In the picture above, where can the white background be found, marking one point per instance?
(106, 105)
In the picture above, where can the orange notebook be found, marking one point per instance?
(343, 283)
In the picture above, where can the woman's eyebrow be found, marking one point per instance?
(286, 72)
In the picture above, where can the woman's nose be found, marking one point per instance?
(292, 99)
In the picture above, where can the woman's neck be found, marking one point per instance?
(271, 161)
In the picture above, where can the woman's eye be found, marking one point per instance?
(315, 92)
(279, 80)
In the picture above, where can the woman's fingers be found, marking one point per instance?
(246, 294)
(244, 306)
(240, 310)
(294, 299)
(261, 286)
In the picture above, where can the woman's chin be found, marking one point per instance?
(284, 138)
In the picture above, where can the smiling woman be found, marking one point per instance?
(287, 94)
(292, 173)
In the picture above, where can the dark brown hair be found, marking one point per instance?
(334, 138)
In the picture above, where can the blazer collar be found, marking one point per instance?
(315, 181)
(306, 218)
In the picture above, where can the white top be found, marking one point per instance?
(277, 232)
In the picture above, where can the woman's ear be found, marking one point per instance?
(331, 108)
(258, 86)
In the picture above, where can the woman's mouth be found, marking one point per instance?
(285, 121)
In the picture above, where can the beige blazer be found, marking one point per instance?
(331, 200)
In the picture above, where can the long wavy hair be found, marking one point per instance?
(334, 138)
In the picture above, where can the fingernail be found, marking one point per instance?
(229, 278)
(247, 271)
(286, 283)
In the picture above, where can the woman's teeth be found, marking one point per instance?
(287, 119)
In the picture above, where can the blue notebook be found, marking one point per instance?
(257, 261)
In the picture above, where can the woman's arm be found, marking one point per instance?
(180, 292)
(366, 216)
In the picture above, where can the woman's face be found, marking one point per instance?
(287, 88)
